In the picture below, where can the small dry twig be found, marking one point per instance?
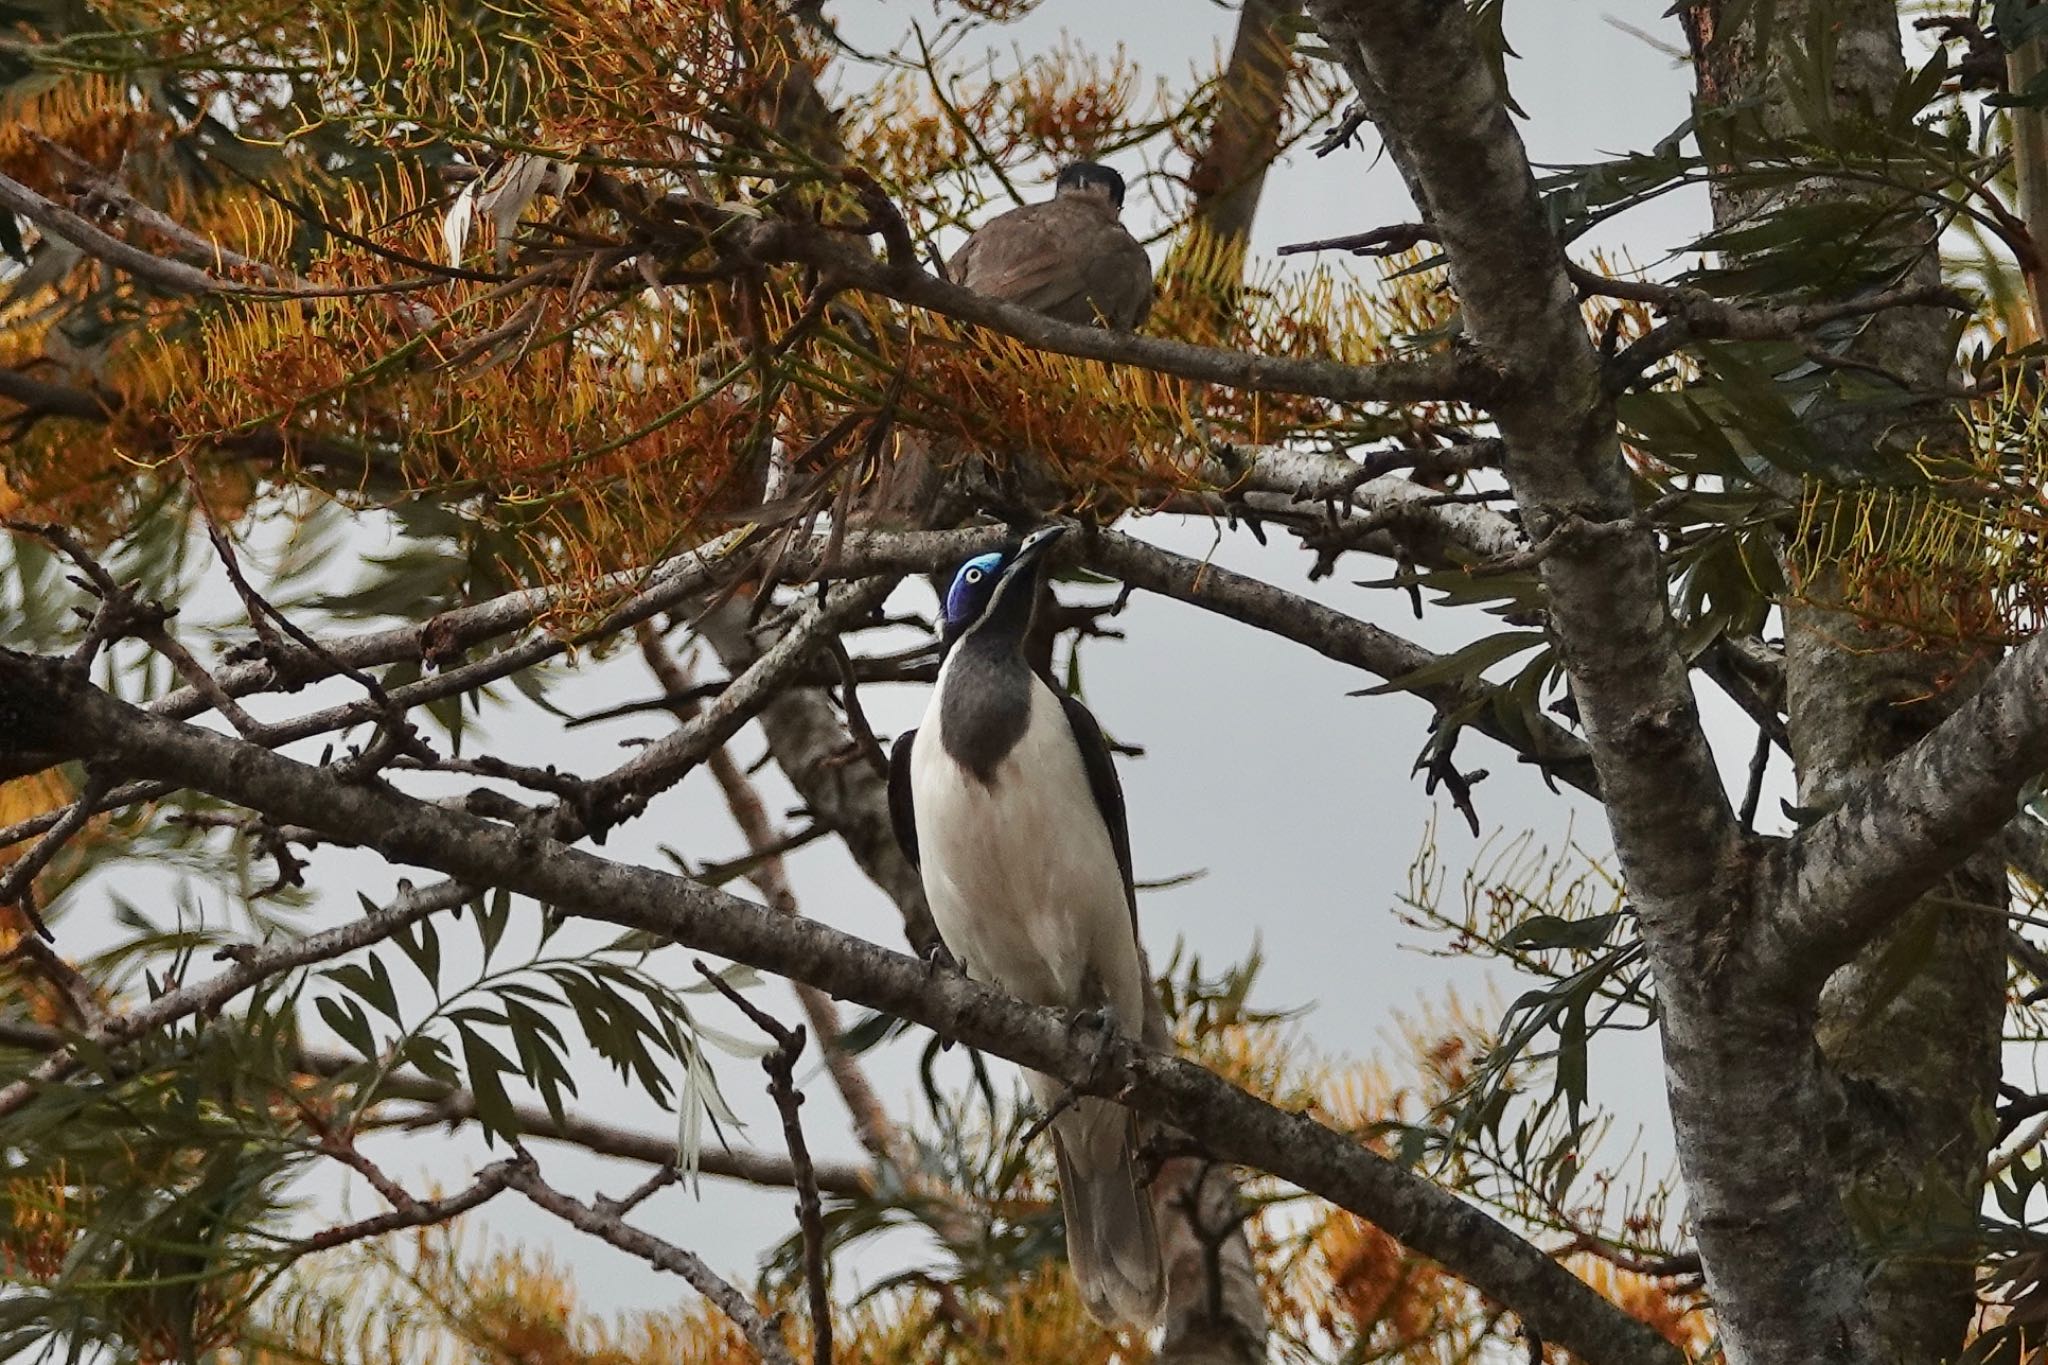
(781, 1068)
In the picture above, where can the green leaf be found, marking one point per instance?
(484, 1065)
(421, 942)
(1555, 931)
(1463, 665)
(347, 1019)
(491, 922)
(372, 984)
(430, 1056)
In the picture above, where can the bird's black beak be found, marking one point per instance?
(1034, 547)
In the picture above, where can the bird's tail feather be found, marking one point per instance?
(1112, 1238)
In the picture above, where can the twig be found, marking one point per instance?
(17, 884)
(1697, 316)
(2022, 950)
(1741, 678)
(1754, 791)
(781, 1068)
(2003, 1160)
(408, 1212)
(1574, 531)
(760, 1333)
(884, 218)
(251, 967)
(259, 608)
(127, 794)
(624, 791)
(1391, 240)
(1679, 1265)
(71, 987)
(664, 1176)
(121, 614)
(864, 740)
(1354, 118)
(103, 189)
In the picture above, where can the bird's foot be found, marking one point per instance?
(1100, 1026)
(939, 959)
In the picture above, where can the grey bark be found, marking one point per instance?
(1755, 1105)
(1908, 1028)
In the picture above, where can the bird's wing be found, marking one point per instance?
(1118, 275)
(902, 811)
(1109, 793)
(1032, 256)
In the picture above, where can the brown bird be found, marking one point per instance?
(1069, 257)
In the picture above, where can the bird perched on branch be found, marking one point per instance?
(1008, 803)
(1069, 257)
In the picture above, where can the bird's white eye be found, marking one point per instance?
(974, 575)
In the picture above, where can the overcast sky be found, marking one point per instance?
(1294, 799)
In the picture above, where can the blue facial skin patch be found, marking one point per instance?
(971, 587)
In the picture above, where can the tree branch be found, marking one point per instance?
(56, 709)
(1421, 77)
(413, 1213)
(763, 1334)
(252, 967)
(1448, 376)
(1847, 876)
(1337, 636)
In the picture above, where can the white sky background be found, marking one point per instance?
(1295, 799)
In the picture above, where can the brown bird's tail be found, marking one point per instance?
(1112, 1240)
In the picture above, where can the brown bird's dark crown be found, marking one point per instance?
(1080, 177)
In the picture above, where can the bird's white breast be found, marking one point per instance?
(1020, 873)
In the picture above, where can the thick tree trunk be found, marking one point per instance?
(1909, 1030)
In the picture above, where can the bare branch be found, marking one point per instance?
(1336, 636)
(1439, 533)
(1448, 376)
(174, 276)
(624, 790)
(762, 1334)
(408, 1212)
(17, 883)
(104, 191)
(780, 1065)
